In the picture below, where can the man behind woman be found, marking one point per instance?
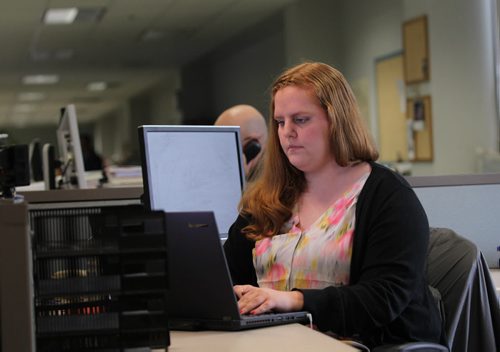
(253, 134)
(326, 229)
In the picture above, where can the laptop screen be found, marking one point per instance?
(193, 168)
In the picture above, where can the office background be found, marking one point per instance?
(351, 35)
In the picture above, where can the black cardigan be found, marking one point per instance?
(387, 299)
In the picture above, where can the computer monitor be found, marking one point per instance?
(193, 168)
(70, 150)
(49, 166)
(35, 155)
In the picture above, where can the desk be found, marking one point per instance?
(286, 338)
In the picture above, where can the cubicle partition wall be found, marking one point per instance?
(468, 204)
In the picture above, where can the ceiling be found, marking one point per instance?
(107, 45)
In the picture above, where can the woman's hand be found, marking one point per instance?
(255, 300)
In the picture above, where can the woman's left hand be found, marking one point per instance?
(255, 300)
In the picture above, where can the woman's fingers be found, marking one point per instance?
(253, 300)
(256, 300)
(240, 290)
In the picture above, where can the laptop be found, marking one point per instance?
(201, 295)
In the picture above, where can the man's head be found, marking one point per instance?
(253, 131)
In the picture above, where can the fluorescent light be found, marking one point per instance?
(40, 79)
(57, 54)
(97, 86)
(151, 35)
(30, 96)
(23, 108)
(60, 15)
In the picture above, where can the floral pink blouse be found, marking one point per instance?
(315, 258)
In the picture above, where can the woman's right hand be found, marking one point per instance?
(255, 300)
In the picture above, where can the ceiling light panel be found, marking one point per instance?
(23, 108)
(60, 15)
(31, 96)
(40, 79)
(97, 86)
(152, 35)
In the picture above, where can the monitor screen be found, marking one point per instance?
(70, 150)
(193, 168)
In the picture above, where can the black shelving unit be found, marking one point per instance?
(100, 279)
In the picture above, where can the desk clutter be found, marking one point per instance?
(100, 278)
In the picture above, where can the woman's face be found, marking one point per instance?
(303, 128)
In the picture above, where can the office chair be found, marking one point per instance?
(458, 270)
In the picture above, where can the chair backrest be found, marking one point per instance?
(457, 269)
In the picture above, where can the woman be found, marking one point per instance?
(326, 229)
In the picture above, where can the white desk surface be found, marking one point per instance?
(286, 338)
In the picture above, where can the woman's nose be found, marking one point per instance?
(288, 129)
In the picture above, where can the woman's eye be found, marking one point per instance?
(301, 120)
(279, 122)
